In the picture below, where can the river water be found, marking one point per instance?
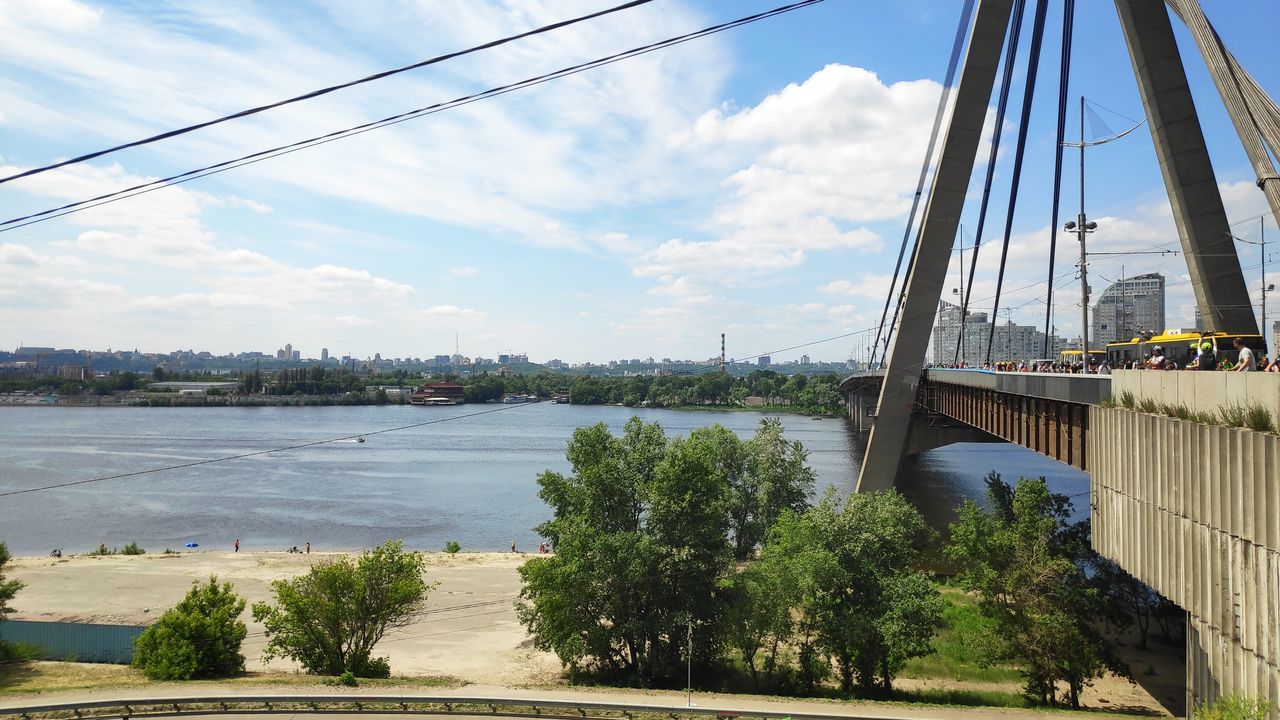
(469, 479)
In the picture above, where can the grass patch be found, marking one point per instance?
(959, 646)
(982, 698)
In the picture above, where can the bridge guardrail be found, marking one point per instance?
(563, 709)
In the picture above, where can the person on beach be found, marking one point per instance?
(308, 548)
(237, 544)
(542, 549)
(513, 546)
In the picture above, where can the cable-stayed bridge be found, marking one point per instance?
(1191, 508)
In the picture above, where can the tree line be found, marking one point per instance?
(705, 551)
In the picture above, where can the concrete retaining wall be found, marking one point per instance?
(1194, 511)
(1202, 391)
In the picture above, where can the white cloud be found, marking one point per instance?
(453, 312)
(463, 271)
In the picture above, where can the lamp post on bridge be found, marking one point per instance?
(1082, 227)
(1262, 243)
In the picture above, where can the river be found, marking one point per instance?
(469, 479)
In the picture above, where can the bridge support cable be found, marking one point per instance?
(1006, 82)
(933, 251)
(1265, 110)
(966, 13)
(1227, 80)
(1028, 98)
(1064, 78)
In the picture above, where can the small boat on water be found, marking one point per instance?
(513, 399)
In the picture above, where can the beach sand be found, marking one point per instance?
(468, 631)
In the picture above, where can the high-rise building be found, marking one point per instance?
(1009, 341)
(324, 354)
(804, 359)
(1127, 308)
(763, 361)
(288, 351)
(1275, 337)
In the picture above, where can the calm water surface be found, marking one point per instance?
(471, 479)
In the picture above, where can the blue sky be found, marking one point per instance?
(754, 183)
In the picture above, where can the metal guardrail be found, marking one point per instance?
(351, 703)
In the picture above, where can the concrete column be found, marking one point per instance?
(1184, 162)
(888, 439)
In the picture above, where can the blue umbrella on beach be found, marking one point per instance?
(192, 544)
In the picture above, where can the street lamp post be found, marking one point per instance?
(688, 688)
(1083, 227)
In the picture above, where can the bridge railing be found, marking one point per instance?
(560, 709)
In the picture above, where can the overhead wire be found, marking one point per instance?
(326, 90)
(142, 188)
(1028, 97)
(957, 44)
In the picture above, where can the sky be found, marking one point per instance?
(756, 182)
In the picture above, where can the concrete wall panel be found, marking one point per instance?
(1194, 511)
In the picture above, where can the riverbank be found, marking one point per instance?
(468, 635)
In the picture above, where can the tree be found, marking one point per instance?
(873, 611)
(330, 619)
(777, 479)
(8, 588)
(1026, 560)
(640, 529)
(197, 638)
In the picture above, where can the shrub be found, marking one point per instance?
(132, 549)
(452, 547)
(346, 678)
(1234, 707)
(198, 638)
(329, 619)
(1231, 416)
(1258, 418)
(102, 551)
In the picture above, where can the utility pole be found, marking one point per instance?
(1262, 240)
(963, 309)
(721, 352)
(1082, 228)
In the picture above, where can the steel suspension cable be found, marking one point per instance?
(1028, 96)
(956, 46)
(1064, 77)
(326, 90)
(1002, 105)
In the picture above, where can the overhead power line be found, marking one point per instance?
(14, 223)
(326, 90)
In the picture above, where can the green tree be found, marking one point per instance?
(197, 638)
(1026, 561)
(640, 529)
(874, 611)
(330, 619)
(8, 588)
(777, 478)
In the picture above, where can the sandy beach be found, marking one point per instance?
(468, 631)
